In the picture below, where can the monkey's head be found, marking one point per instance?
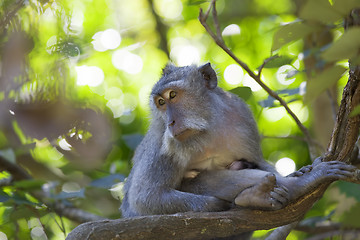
(181, 100)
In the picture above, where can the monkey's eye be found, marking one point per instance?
(161, 101)
(172, 94)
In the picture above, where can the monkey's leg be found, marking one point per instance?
(260, 189)
(227, 184)
(266, 194)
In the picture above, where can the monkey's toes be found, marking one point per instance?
(268, 183)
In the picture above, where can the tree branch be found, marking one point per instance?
(161, 29)
(220, 42)
(195, 225)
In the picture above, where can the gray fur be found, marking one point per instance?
(223, 131)
(160, 161)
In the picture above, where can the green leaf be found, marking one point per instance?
(26, 212)
(29, 184)
(3, 196)
(242, 92)
(292, 32)
(322, 81)
(345, 48)
(320, 10)
(351, 217)
(349, 189)
(278, 61)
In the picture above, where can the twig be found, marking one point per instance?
(282, 232)
(216, 22)
(264, 63)
(220, 42)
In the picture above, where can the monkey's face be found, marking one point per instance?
(181, 100)
(178, 110)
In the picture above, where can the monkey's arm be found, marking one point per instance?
(152, 188)
(260, 189)
(230, 184)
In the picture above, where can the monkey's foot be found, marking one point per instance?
(265, 195)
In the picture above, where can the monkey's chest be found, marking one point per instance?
(213, 158)
(219, 154)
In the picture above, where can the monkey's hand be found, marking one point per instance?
(321, 172)
(305, 169)
(328, 172)
(266, 195)
(301, 171)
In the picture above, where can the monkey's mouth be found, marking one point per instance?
(185, 134)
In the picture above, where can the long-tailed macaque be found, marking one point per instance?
(200, 151)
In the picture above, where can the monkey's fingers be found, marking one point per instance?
(301, 171)
(325, 167)
(341, 174)
(338, 165)
(267, 183)
(281, 190)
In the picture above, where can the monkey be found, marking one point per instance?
(202, 153)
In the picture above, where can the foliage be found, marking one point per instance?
(75, 78)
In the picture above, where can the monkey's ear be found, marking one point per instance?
(209, 75)
(169, 68)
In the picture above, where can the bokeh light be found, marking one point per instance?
(110, 39)
(233, 74)
(185, 55)
(274, 114)
(105, 40)
(126, 61)
(89, 75)
(232, 29)
(169, 9)
(250, 82)
(282, 73)
(3, 236)
(285, 166)
(38, 233)
(64, 144)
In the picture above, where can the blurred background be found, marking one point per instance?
(75, 78)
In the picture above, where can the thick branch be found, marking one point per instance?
(195, 225)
